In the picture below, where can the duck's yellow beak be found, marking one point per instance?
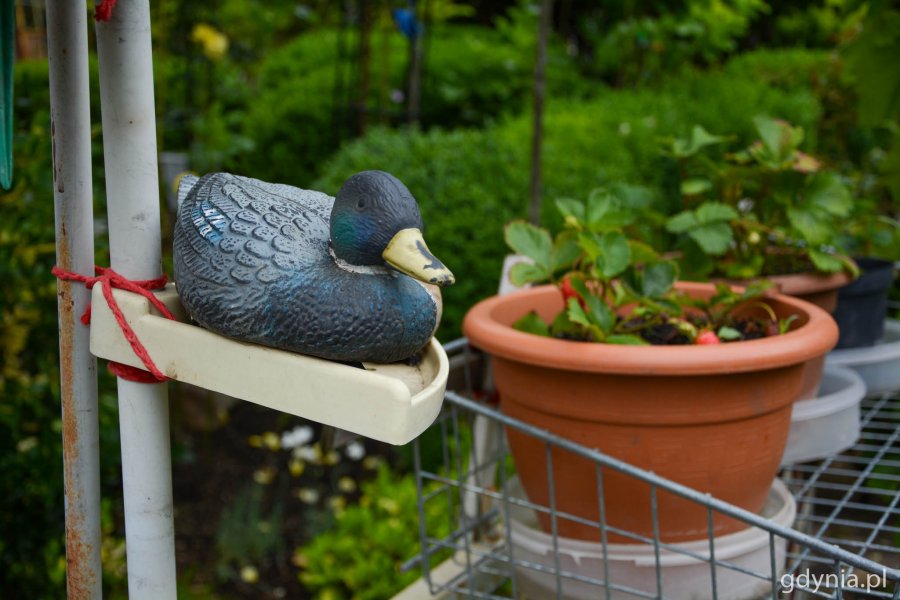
(408, 253)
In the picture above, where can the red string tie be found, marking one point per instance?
(103, 10)
(109, 279)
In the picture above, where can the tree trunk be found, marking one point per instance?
(540, 88)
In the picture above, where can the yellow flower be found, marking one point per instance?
(271, 441)
(337, 503)
(264, 476)
(347, 484)
(214, 42)
(296, 467)
(249, 574)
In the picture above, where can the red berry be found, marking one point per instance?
(568, 291)
(707, 337)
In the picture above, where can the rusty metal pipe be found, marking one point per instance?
(70, 125)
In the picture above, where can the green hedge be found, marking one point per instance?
(470, 77)
(469, 183)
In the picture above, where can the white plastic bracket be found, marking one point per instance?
(391, 403)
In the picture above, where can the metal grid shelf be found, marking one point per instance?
(843, 543)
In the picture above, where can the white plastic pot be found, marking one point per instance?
(829, 423)
(878, 365)
(634, 565)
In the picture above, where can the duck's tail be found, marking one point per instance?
(184, 183)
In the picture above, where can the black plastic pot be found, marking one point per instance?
(862, 304)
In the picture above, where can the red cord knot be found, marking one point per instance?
(103, 9)
(109, 279)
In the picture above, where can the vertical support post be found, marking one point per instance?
(70, 126)
(540, 90)
(132, 188)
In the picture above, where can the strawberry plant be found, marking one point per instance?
(619, 290)
(765, 210)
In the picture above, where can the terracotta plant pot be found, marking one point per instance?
(715, 418)
(821, 290)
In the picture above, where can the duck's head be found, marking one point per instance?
(375, 220)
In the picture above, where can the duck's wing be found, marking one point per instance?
(234, 235)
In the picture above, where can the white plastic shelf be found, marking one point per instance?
(391, 403)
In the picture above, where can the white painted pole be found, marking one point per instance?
(70, 119)
(132, 188)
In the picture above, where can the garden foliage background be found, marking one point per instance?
(284, 91)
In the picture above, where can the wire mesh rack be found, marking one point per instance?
(830, 529)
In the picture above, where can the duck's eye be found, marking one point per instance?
(361, 203)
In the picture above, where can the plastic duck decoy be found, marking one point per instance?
(347, 278)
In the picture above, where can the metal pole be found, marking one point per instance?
(132, 188)
(70, 126)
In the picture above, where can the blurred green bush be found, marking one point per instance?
(470, 182)
(652, 45)
(299, 117)
(360, 556)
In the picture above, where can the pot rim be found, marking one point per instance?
(811, 340)
(809, 282)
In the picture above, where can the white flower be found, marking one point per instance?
(308, 495)
(298, 436)
(355, 450)
(624, 128)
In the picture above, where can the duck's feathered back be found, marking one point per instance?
(252, 262)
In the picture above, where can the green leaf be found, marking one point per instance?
(566, 251)
(695, 186)
(605, 212)
(569, 207)
(779, 138)
(525, 273)
(700, 138)
(532, 323)
(711, 212)
(590, 245)
(826, 191)
(682, 222)
(658, 279)
(641, 252)
(615, 254)
(827, 263)
(749, 268)
(713, 238)
(598, 312)
(563, 327)
(627, 339)
(576, 313)
(635, 197)
(533, 242)
(812, 225)
(726, 333)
